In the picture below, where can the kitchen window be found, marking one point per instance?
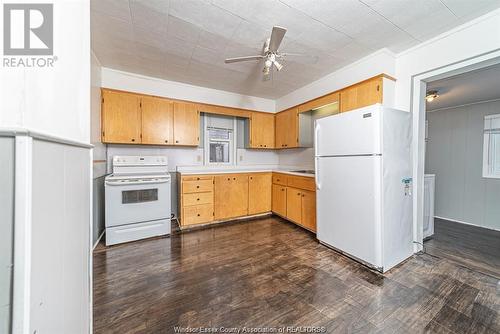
(220, 147)
(491, 146)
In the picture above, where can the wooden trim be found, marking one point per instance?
(320, 101)
(98, 161)
(382, 75)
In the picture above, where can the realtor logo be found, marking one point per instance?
(28, 29)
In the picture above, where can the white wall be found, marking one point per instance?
(297, 157)
(54, 100)
(176, 90)
(382, 61)
(99, 152)
(474, 38)
(455, 154)
(60, 239)
(52, 291)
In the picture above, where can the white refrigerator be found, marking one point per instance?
(363, 180)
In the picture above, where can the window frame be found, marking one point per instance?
(232, 146)
(490, 129)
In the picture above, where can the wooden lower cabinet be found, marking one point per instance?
(231, 196)
(294, 205)
(259, 193)
(279, 200)
(198, 214)
(308, 219)
(296, 201)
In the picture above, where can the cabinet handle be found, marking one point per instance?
(166, 141)
(234, 178)
(198, 178)
(133, 139)
(198, 215)
(282, 189)
(177, 142)
(251, 178)
(197, 187)
(197, 199)
(303, 195)
(265, 145)
(298, 194)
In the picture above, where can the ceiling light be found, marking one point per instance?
(431, 95)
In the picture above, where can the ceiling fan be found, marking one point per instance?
(269, 52)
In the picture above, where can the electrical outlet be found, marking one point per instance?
(241, 158)
(198, 158)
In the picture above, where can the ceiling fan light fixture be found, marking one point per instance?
(431, 95)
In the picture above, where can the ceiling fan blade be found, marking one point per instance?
(276, 37)
(246, 58)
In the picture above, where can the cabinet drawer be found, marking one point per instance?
(279, 179)
(197, 214)
(197, 186)
(197, 177)
(197, 198)
(306, 183)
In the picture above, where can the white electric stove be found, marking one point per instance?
(137, 196)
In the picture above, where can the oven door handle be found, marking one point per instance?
(118, 183)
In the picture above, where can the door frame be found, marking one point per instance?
(417, 103)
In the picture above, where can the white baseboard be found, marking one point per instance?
(98, 239)
(466, 223)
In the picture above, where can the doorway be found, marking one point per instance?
(461, 167)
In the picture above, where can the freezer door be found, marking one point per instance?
(352, 133)
(349, 204)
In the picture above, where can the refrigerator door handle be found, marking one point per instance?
(316, 173)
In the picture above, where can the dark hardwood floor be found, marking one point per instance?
(474, 247)
(270, 273)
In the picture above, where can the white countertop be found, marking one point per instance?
(197, 170)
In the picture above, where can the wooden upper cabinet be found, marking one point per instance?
(279, 199)
(361, 95)
(259, 193)
(231, 196)
(262, 130)
(157, 121)
(121, 117)
(287, 128)
(320, 102)
(186, 124)
(308, 219)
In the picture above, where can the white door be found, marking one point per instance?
(348, 205)
(352, 133)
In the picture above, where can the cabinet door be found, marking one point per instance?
(361, 95)
(259, 193)
(287, 128)
(280, 130)
(294, 205)
(231, 196)
(261, 130)
(186, 124)
(369, 93)
(292, 128)
(121, 118)
(348, 99)
(309, 210)
(157, 121)
(279, 200)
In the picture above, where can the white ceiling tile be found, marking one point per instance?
(150, 14)
(207, 56)
(182, 29)
(206, 16)
(462, 8)
(188, 40)
(116, 8)
(212, 41)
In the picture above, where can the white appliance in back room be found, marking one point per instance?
(363, 180)
(137, 197)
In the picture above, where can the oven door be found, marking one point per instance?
(136, 201)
